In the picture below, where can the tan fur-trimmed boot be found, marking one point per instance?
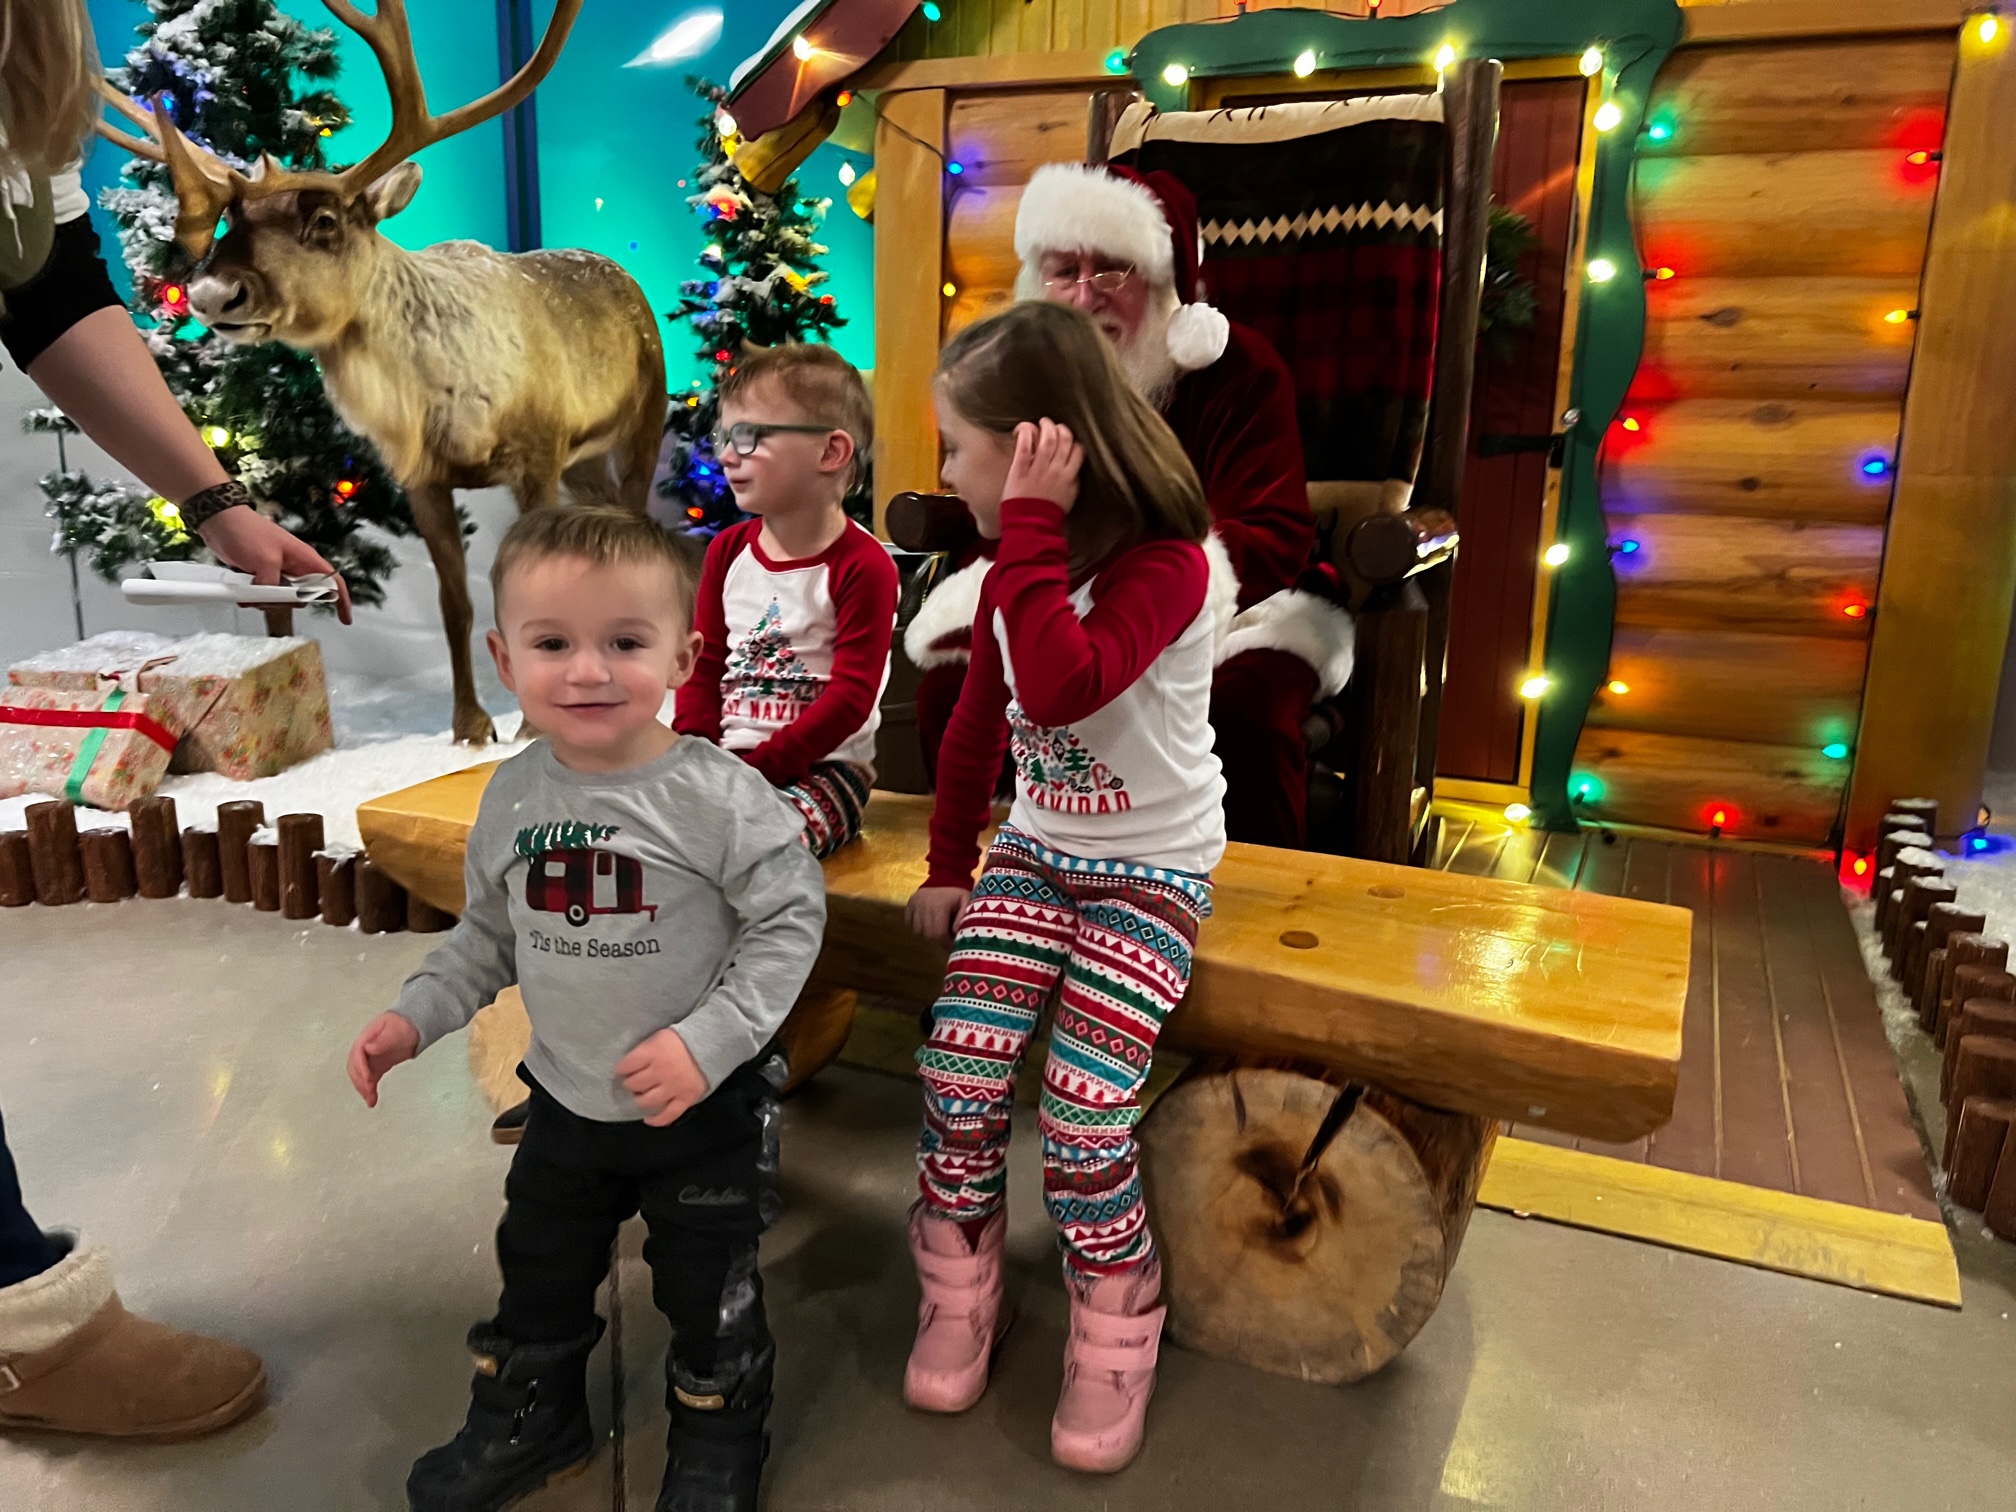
(73, 1360)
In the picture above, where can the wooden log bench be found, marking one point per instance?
(1361, 1029)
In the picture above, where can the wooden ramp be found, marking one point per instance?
(1791, 1145)
(1504, 999)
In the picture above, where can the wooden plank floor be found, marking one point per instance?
(1786, 1080)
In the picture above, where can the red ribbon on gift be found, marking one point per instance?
(91, 719)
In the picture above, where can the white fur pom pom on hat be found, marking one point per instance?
(1198, 334)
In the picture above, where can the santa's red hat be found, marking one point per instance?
(1147, 219)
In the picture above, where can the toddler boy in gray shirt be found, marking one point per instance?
(655, 901)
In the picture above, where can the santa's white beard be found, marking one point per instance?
(1144, 356)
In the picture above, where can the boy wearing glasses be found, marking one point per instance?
(796, 606)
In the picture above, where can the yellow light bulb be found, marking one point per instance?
(1445, 57)
(216, 435)
(1620, 688)
(1305, 63)
(1592, 62)
(724, 123)
(1176, 75)
(1534, 687)
(1601, 270)
(950, 289)
(1518, 813)
(1609, 115)
(1989, 29)
(801, 49)
(1557, 554)
(1898, 317)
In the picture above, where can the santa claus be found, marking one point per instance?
(1124, 247)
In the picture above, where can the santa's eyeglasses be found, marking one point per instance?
(1105, 281)
(746, 436)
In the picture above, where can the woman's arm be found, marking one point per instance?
(100, 374)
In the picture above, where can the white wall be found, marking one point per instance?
(388, 672)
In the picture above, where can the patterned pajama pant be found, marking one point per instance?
(1113, 942)
(831, 798)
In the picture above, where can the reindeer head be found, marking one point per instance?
(295, 260)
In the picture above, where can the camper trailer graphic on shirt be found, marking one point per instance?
(568, 874)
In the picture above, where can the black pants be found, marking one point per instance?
(24, 1252)
(707, 1188)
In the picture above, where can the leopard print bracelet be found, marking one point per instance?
(200, 509)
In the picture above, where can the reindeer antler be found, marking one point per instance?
(206, 186)
(390, 38)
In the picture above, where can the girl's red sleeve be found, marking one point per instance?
(1066, 667)
(696, 707)
(969, 757)
(863, 584)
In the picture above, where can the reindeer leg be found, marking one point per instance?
(434, 514)
(637, 461)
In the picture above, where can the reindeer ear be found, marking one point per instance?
(392, 191)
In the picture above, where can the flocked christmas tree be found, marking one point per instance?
(241, 78)
(759, 286)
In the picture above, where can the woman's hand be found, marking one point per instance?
(933, 912)
(1045, 465)
(245, 539)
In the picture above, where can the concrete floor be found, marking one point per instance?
(172, 1079)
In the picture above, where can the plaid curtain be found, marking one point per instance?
(1322, 227)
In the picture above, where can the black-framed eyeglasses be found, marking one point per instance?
(1105, 281)
(745, 436)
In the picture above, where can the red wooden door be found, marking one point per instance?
(1512, 415)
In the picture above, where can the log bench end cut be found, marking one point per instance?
(1498, 999)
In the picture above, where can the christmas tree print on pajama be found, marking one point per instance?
(1058, 772)
(768, 681)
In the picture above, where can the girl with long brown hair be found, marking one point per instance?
(1092, 655)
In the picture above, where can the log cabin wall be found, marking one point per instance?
(1748, 481)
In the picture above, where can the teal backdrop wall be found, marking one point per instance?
(614, 142)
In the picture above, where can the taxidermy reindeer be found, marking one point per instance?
(466, 367)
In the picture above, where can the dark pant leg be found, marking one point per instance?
(1258, 702)
(24, 1252)
(563, 1203)
(707, 1187)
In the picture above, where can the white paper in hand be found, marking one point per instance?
(202, 583)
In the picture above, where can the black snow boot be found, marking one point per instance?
(714, 1460)
(528, 1424)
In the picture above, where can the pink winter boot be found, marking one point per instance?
(961, 1318)
(1109, 1369)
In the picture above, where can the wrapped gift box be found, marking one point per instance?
(244, 706)
(105, 749)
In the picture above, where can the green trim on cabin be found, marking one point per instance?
(1637, 36)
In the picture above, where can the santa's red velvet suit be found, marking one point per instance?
(1232, 406)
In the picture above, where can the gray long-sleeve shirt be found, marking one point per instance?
(678, 894)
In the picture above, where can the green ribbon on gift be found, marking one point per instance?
(87, 753)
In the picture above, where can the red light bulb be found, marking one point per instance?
(1855, 610)
(1861, 866)
(1719, 818)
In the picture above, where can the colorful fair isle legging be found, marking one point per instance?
(1119, 938)
(831, 798)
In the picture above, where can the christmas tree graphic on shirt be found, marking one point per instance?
(764, 681)
(1058, 772)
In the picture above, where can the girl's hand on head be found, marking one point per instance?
(933, 912)
(1046, 464)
